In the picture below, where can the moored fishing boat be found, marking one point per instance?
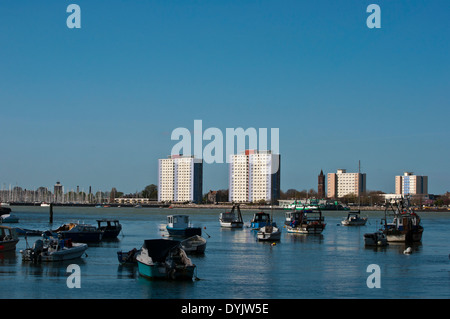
(180, 226)
(230, 219)
(405, 225)
(8, 238)
(307, 222)
(164, 259)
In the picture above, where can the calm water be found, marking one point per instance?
(235, 265)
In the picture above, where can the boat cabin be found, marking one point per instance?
(261, 217)
(178, 221)
(7, 233)
(228, 217)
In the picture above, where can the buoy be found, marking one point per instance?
(407, 251)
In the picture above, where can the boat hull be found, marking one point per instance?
(195, 244)
(360, 222)
(402, 236)
(159, 271)
(184, 232)
(306, 229)
(375, 239)
(236, 224)
(8, 245)
(265, 234)
(66, 253)
(82, 237)
(9, 219)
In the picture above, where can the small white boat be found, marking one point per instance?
(9, 218)
(50, 250)
(230, 219)
(269, 233)
(353, 219)
(8, 239)
(195, 244)
(45, 204)
(375, 239)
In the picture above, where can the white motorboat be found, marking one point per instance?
(353, 219)
(269, 233)
(49, 250)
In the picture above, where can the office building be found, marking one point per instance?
(409, 184)
(342, 183)
(180, 179)
(254, 176)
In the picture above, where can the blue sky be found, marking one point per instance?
(96, 106)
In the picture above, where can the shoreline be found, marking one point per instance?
(215, 206)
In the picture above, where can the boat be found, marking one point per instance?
(195, 244)
(307, 205)
(8, 238)
(110, 228)
(51, 250)
(127, 257)
(8, 218)
(377, 238)
(230, 219)
(269, 233)
(261, 219)
(179, 226)
(405, 225)
(27, 232)
(164, 259)
(353, 219)
(307, 222)
(44, 204)
(81, 233)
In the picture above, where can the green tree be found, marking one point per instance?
(150, 192)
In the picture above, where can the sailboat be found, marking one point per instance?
(269, 232)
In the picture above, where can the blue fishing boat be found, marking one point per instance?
(261, 219)
(164, 259)
(179, 226)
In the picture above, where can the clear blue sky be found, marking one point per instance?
(96, 106)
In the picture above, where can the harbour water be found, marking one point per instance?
(235, 265)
